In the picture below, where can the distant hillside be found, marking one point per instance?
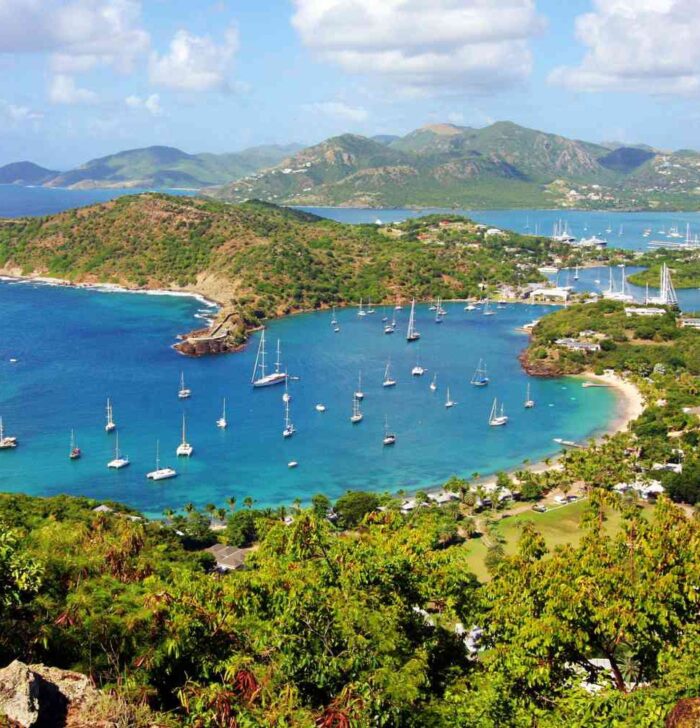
(25, 173)
(160, 166)
(502, 165)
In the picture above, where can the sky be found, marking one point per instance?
(81, 79)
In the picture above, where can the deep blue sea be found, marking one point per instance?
(75, 347)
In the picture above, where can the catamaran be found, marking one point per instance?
(75, 452)
(110, 426)
(529, 402)
(480, 378)
(388, 380)
(264, 379)
(119, 461)
(289, 428)
(6, 442)
(389, 437)
(497, 418)
(418, 370)
(221, 423)
(411, 333)
(359, 394)
(184, 392)
(449, 402)
(184, 449)
(160, 473)
(433, 384)
(356, 411)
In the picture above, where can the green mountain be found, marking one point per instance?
(25, 173)
(502, 165)
(169, 167)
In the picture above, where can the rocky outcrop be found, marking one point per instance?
(36, 695)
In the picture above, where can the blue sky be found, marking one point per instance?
(84, 78)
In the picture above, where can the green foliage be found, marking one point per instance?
(354, 506)
(241, 529)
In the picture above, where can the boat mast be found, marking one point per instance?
(260, 358)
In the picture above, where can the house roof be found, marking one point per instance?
(228, 558)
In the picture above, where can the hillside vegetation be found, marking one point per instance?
(502, 165)
(261, 260)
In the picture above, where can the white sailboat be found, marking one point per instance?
(398, 306)
(260, 377)
(289, 428)
(110, 426)
(369, 307)
(497, 418)
(222, 423)
(389, 437)
(286, 397)
(184, 449)
(184, 392)
(439, 312)
(389, 381)
(449, 402)
(359, 394)
(576, 273)
(433, 384)
(356, 411)
(480, 377)
(391, 326)
(119, 461)
(411, 333)
(160, 473)
(6, 442)
(334, 320)
(487, 311)
(75, 452)
(529, 402)
(361, 311)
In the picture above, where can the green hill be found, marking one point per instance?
(25, 173)
(160, 166)
(501, 165)
(259, 260)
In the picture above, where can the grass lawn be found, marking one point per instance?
(560, 525)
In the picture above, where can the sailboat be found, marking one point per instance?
(184, 449)
(6, 442)
(183, 392)
(449, 402)
(529, 402)
(480, 378)
(75, 452)
(418, 370)
(119, 462)
(286, 397)
(334, 320)
(160, 473)
(470, 307)
(289, 428)
(576, 273)
(356, 411)
(369, 307)
(359, 394)
(497, 418)
(433, 384)
(411, 333)
(391, 326)
(388, 380)
(362, 311)
(264, 379)
(221, 423)
(389, 437)
(439, 312)
(110, 426)
(487, 311)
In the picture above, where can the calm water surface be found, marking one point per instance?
(76, 347)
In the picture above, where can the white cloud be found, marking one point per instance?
(424, 45)
(338, 110)
(195, 63)
(645, 46)
(63, 90)
(149, 103)
(78, 33)
(18, 115)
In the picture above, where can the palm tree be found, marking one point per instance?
(210, 508)
(231, 501)
(189, 508)
(168, 513)
(221, 514)
(248, 502)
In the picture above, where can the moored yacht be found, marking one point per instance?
(160, 473)
(497, 418)
(411, 333)
(359, 394)
(480, 377)
(260, 376)
(75, 451)
(356, 411)
(449, 402)
(221, 423)
(110, 426)
(289, 428)
(389, 381)
(119, 461)
(6, 442)
(184, 449)
(529, 402)
(389, 437)
(184, 392)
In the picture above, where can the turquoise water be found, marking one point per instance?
(626, 227)
(76, 347)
